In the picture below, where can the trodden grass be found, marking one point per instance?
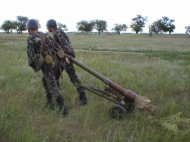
(160, 71)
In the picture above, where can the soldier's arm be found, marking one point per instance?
(64, 43)
(67, 38)
(30, 53)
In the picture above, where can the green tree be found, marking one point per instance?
(8, 26)
(62, 26)
(138, 23)
(187, 30)
(21, 23)
(85, 26)
(163, 25)
(156, 27)
(119, 27)
(167, 25)
(100, 26)
(15, 25)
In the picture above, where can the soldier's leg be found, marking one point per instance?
(53, 88)
(75, 80)
(58, 70)
(48, 94)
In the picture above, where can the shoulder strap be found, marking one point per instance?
(42, 37)
(66, 42)
(41, 49)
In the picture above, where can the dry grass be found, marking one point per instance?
(162, 76)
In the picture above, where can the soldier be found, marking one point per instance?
(62, 39)
(41, 56)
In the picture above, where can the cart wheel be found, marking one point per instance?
(117, 112)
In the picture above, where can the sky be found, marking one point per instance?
(70, 12)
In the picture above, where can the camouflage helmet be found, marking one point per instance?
(32, 24)
(51, 23)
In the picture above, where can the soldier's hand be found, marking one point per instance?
(67, 60)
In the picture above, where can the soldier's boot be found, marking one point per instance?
(49, 102)
(82, 97)
(62, 108)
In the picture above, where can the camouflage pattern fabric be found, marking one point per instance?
(51, 72)
(50, 80)
(73, 77)
(63, 40)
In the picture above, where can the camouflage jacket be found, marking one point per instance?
(36, 42)
(63, 40)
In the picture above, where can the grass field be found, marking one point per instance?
(157, 67)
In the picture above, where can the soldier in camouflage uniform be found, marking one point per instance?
(62, 39)
(40, 48)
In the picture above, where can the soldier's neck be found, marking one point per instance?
(53, 32)
(31, 32)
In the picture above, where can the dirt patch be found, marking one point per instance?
(5, 40)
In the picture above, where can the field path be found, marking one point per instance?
(109, 51)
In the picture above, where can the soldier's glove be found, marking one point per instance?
(48, 59)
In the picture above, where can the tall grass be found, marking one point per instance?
(162, 76)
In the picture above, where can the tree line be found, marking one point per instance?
(19, 25)
(162, 25)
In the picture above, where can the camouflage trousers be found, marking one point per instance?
(50, 80)
(69, 68)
